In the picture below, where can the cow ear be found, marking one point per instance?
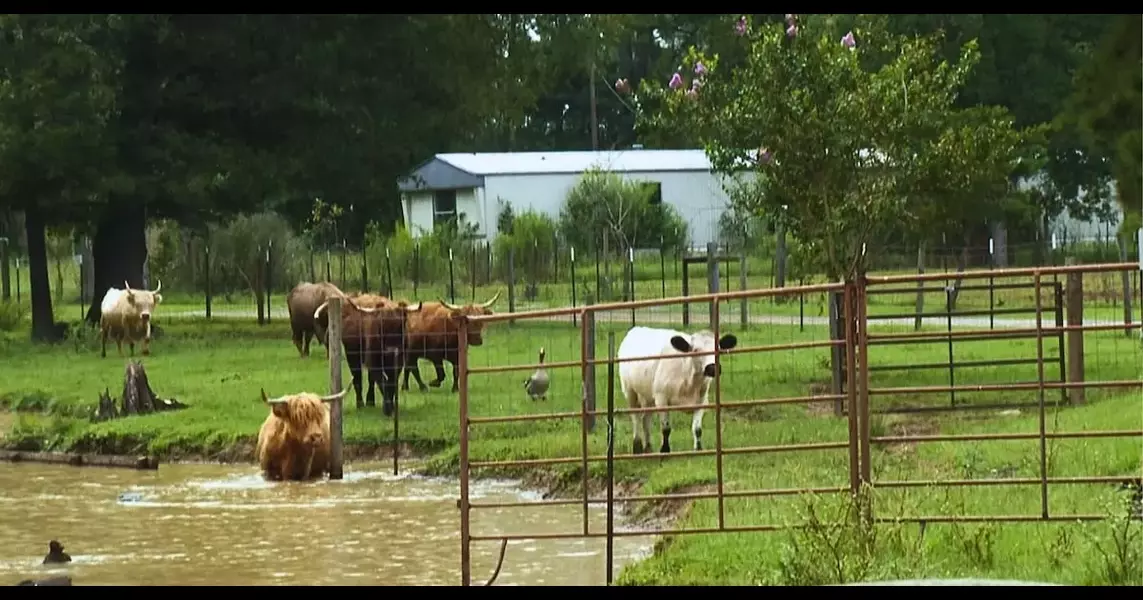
(727, 342)
(680, 343)
(131, 297)
(280, 410)
(158, 298)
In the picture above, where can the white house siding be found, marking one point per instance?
(698, 196)
(419, 210)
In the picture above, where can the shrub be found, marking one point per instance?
(532, 239)
(238, 254)
(11, 315)
(603, 203)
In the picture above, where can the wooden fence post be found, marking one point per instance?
(1075, 338)
(333, 345)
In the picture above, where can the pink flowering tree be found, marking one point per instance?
(845, 155)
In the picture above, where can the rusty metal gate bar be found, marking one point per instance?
(857, 394)
(953, 365)
(1040, 386)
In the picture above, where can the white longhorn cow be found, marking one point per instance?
(125, 315)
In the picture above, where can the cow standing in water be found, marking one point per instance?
(294, 442)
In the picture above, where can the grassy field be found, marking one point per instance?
(218, 368)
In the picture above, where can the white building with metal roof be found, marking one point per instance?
(478, 185)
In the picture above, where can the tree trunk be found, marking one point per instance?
(43, 319)
(119, 251)
(5, 263)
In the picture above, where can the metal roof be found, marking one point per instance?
(538, 163)
(467, 169)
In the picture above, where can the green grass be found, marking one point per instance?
(218, 369)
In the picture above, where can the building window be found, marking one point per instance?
(655, 192)
(444, 206)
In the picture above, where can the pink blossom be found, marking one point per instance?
(792, 31)
(696, 83)
(622, 86)
(848, 41)
(740, 26)
(790, 18)
(765, 156)
(700, 69)
(676, 81)
(692, 93)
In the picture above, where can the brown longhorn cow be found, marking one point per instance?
(433, 334)
(372, 333)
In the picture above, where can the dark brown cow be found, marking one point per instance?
(433, 334)
(372, 330)
(302, 301)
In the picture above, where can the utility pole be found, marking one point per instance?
(594, 117)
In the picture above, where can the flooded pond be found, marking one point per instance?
(222, 525)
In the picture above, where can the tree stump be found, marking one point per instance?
(137, 399)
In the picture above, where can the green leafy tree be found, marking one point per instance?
(57, 95)
(1106, 107)
(848, 152)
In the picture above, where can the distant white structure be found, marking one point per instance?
(1069, 229)
(477, 185)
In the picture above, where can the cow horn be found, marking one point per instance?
(126, 286)
(317, 313)
(411, 309)
(337, 396)
(450, 306)
(361, 308)
(491, 302)
(160, 285)
(269, 400)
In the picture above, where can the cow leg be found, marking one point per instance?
(645, 421)
(119, 345)
(636, 441)
(131, 345)
(147, 339)
(665, 423)
(307, 337)
(438, 365)
(412, 366)
(455, 384)
(696, 428)
(103, 352)
(367, 366)
(387, 381)
(354, 361)
(297, 339)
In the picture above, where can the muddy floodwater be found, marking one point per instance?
(222, 525)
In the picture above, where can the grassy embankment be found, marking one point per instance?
(219, 368)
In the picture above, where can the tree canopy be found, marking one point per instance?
(847, 153)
